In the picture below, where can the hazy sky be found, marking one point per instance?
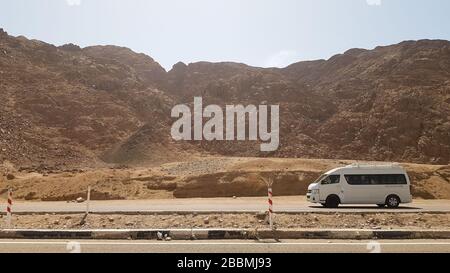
(256, 32)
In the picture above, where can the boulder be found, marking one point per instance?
(261, 215)
(10, 176)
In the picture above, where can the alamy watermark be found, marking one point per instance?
(228, 125)
(73, 247)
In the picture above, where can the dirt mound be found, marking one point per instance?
(431, 184)
(244, 184)
(204, 177)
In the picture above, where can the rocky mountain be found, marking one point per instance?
(66, 106)
(391, 103)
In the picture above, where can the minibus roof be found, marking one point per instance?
(387, 167)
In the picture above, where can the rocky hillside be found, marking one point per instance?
(70, 106)
(391, 103)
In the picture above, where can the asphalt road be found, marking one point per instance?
(287, 246)
(281, 204)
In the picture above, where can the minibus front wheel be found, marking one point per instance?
(393, 201)
(332, 201)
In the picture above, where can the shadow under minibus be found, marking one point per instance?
(366, 207)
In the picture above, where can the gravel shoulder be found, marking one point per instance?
(229, 220)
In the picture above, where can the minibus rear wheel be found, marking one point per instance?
(393, 201)
(332, 201)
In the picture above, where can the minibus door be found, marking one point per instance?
(330, 186)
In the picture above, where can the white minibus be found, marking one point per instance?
(382, 185)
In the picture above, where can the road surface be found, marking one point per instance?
(281, 204)
(287, 246)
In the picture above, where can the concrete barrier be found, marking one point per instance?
(225, 234)
(207, 212)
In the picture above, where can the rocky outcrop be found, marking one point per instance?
(65, 106)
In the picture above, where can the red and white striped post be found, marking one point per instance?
(9, 209)
(270, 193)
(269, 182)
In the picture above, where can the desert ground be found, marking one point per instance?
(229, 220)
(200, 177)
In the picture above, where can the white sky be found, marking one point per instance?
(256, 32)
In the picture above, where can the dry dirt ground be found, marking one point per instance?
(301, 220)
(200, 177)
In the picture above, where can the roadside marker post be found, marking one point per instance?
(269, 183)
(9, 209)
(88, 200)
(88, 204)
(270, 193)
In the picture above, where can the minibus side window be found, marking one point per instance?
(332, 179)
(376, 179)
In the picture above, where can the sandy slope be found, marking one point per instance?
(203, 177)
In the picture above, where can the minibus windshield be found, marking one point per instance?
(322, 177)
